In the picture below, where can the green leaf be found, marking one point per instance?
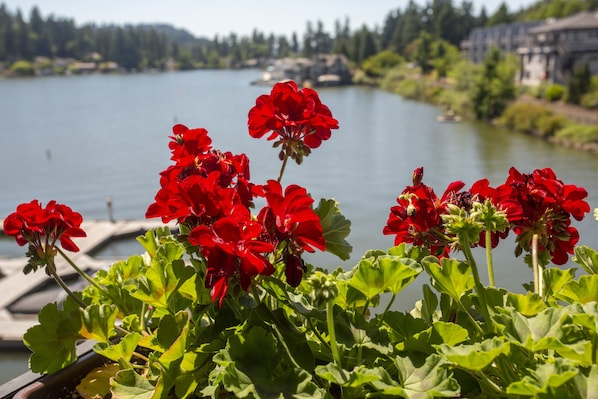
(587, 258)
(171, 360)
(122, 350)
(98, 322)
(355, 378)
(432, 379)
(335, 227)
(555, 279)
(53, 342)
(450, 276)
(476, 356)
(583, 291)
(251, 367)
(429, 304)
(375, 275)
(587, 385)
(97, 382)
(440, 332)
(529, 304)
(165, 276)
(129, 385)
(542, 379)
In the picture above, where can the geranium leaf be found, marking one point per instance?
(542, 379)
(587, 385)
(529, 304)
(335, 227)
(355, 378)
(583, 291)
(440, 332)
(449, 276)
(122, 350)
(170, 360)
(587, 258)
(53, 341)
(98, 322)
(476, 356)
(532, 332)
(431, 379)
(97, 382)
(555, 279)
(129, 385)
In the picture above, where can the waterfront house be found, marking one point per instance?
(555, 49)
(324, 69)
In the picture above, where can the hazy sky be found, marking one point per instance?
(207, 18)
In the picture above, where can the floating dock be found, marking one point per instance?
(28, 289)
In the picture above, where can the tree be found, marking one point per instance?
(579, 83)
(423, 51)
(495, 87)
(377, 65)
(501, 16)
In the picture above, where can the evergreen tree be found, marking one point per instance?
(579, 83)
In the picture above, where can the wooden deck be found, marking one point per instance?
(15, 284)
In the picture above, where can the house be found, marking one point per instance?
(322, 70)
(507, 37)
(555, 49)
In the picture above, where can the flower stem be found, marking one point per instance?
(81, 272)
(535, 267)
(332, 333)
(477, 281)
(51, 268)
(489, 260)
(284, 165)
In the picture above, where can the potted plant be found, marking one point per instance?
(227, 306)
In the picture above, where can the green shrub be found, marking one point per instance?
(524, 117)
(554, 92)
(576, 133)
(550, 124)
(22, 68)
(411, 89)
(589, 100)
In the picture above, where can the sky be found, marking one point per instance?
(207, 18)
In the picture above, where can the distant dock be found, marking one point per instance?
(16, 286)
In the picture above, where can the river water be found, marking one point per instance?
(81, 139)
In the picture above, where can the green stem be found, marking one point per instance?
(386, 309)
(489, 258)
(332, 333)
(284, 165)
(535, 268)
(52, 272)
(81, 272)
(478, 283)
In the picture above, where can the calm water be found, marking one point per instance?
(81, 139)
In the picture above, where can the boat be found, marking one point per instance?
(448, 116)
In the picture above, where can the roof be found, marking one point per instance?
(583, 20)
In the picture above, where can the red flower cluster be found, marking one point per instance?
(209, 192)
(295, 116)
(43, 227)
(547, 205)
(537, 203)
(417, 217)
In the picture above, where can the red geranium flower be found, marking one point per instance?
(417, 217)
(233, 249)
(547, 205)
(290, 219)
(42, 228)
(295, 116)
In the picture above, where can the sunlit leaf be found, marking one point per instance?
(587, 258)
(98, 322)
(335, 227)
(129, 385)
(529, 304)
(449, 276)
(555, 279)
(122, 350)
(543, 378)
(425, 380)
(97, 382)
(439, 333)
(355, 378)
(587, 383)
(53, 341)
(476, 356)
(583, 291)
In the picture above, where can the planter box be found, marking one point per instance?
(34, 386)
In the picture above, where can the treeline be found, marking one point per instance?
(152, 46)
